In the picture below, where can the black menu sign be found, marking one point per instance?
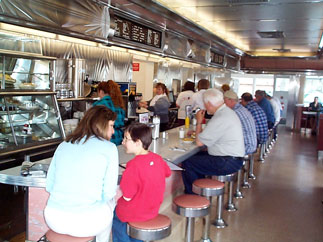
(217, 58)
(132, 31)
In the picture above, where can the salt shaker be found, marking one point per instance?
(181, 133)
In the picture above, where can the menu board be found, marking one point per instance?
(217, 58)
(132, 31)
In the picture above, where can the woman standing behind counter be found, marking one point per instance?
(82, 179)
(159, 105)
(184, 99)
(110, 96)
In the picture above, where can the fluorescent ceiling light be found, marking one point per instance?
(76, 40)
(140, 57)
(138, 53)
(23, 30)
(117, 48)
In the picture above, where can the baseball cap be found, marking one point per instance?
(231, 94)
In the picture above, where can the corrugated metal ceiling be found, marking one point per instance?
(239, 23)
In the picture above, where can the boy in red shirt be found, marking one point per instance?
(142, 183)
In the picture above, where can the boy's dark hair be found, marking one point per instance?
(247, 97)
(140, 132)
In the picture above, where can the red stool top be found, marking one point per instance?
(208, 183)
(161, 221)
(191, 201)
(52, 236)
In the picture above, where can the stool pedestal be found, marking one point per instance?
(208, 188)
(238, 194)
(251, 175)
(230, 178)
(219, 222)
(262, 153)
(246, 168)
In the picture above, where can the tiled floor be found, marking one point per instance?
(283, 204)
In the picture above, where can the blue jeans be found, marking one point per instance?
(119, 231)
(202, 164)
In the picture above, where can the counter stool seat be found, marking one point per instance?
(191, 206)
(153, 229)
(52, 236)
(208, 188)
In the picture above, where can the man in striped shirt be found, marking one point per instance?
(248, 123)
(259, 116)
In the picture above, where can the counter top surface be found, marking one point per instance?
(173, 150)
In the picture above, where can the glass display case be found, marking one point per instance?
(29, 120)
(25, 73)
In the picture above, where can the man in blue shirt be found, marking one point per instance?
(258, 115)
(248, 123)
(266, 106)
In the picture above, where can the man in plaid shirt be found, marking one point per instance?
(259, 116)
(248, 123)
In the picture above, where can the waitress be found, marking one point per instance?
(159, 105)
(110, 96)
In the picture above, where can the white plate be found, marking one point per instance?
(188, 141)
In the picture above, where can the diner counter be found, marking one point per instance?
(172, 149)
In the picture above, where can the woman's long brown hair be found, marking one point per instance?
(94, 123)
(115, 94)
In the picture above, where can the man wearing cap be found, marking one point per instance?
(266, 106)
(258, 115)
(248, 123)
(223, 138)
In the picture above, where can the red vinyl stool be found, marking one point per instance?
(209, 188)
(52, 236)
(191, 206)
(153, 229)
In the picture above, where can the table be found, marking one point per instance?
(309, 114)
(35, 186)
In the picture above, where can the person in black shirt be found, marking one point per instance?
(315, 107)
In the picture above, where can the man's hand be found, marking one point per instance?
(200, 116)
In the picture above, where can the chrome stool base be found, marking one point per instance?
(220, 223)
(246, 185)
(231, 207)
(205, 240)
(252, 177)
(238, 194)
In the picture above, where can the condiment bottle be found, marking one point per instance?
(187, 122)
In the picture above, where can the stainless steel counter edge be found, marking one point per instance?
(163, 147)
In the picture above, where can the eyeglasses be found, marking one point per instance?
(126, 139)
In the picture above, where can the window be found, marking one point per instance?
(313, 88)
(266, 84)
(282, 84)
(245, 85)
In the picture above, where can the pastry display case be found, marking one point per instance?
(29, 121)
(25, 73)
